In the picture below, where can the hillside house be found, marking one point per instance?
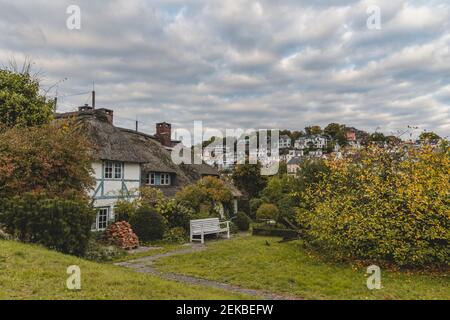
(285, 142)
(293, 165)
(312, 141)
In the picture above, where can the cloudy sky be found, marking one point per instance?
(242, 64)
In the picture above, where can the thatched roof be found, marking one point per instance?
(234, 190)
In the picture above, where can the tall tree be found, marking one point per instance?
(313, 130)
(377, 137)
(248, 178)
(429, 136)
(21, 104)
(337, 132)
(58, 162)
(297, 134)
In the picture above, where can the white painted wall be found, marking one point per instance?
(112, 187)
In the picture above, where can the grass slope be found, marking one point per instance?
(286, 268)
(33, 272)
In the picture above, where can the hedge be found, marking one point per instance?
(63, 224)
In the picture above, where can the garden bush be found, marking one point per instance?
(148, 224)
(175, 235)
(267, 211)
(176, 214)
(242, 221)
(63, 224)
(205, 195)
(233, 228)
(124, 210)
(383, 205)
(255, 203)
(99, 252)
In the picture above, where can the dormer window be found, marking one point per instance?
(165, 179)
(158, 179)
(113, 170)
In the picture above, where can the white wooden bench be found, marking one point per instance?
(201, 227)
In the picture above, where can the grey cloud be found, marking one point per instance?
(285, 64)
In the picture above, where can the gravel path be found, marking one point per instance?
(145, 265)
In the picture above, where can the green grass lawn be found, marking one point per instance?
(286, 268)
(161, 248)
(33, 272)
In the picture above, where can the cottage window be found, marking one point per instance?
(158, 179)
(151, 179)
(108, 170)
(101, 221)
(117, 170)
(165, 179)
(113, 170)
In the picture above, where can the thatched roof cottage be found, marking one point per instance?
(125, 160)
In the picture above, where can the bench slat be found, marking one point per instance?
(206, 226)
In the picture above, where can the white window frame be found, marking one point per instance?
(111, 169)
(101, 221)
(118, 169)
(151, 178)
(108, 170)
(165, 179)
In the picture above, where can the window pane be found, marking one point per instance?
(152, 179)
(108, 170)
(102, 219)
(117, 170)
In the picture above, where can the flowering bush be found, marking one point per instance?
(383, 204)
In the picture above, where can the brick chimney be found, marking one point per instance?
(108, 113)
(164, 133)
(102, 113)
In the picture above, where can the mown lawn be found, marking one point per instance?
(286, 268)
(33, 272)
(159, 248)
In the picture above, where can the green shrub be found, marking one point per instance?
(101, 253)
(175, 235)
(203, 195)
(233, 228)
(176, 214)
(255, 203)
(267, 211)
(148, 224)
(124, 210)
(383, 205)
(57, 223)
(242, 221)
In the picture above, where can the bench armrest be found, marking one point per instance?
(227, 222)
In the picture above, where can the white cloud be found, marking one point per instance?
(244, 63)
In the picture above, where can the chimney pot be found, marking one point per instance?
(164, 133)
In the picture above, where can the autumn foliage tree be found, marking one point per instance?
(53, 158)
(383, 205)
(45, 173)
(205, 195)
